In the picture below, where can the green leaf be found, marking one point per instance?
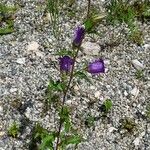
(67, 125)
(108, 105)
(6, 30)
(72, 139)
(65, 52)
(89, 121)
(55, 85)
(47, 142)
(39, 131)
(89, 24)
(13, 130)
(82, 75)
(64, 114)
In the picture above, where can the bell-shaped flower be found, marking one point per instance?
(78, 36)
(65, 63)
(96, 67)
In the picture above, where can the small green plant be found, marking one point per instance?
(106, 106)
(54, 7)
(89, 122)
(139, 74)
(6, 19)
(91, 22)
(136, 36)
(66, 136)
(128, 124)
(119, 11)
(148, 111)
(43, 137)
(142, 9)
(13, 130)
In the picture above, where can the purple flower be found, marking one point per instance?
(79, 36)
(65, 63)
(96, 67)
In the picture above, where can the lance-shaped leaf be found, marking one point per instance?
(82, 75)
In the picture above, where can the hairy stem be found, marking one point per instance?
(88, 8)
(64, 97)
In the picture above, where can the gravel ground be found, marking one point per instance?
(27, 63)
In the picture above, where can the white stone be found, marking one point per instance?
(125, 93)
(12, 90)
(28, 112)
(138, 65)
(68, 102)
(111, 129)
(1, 109)
(136, 141)
(107, 62)
(135, 91)
(21, 60)
(91, 48)
(92, 87)
(33, 46)
(76, 88)
(97, 94)
(146, 46)
(2, 133)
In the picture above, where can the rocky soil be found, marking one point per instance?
(27, 62)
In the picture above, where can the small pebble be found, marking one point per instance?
(21, 61)
(138, 65)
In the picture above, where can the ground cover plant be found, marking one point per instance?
(6, 19)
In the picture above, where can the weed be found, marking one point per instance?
(13, 130)
(120, 12)
(6, 19)
(148, 111)
(89, 122)
(139, 74)
(136, 36)
(128, 124)
(54, 7)
(106, 106)
(142, 10)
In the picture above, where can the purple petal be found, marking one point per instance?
(65, 63)
(79, 36)
(96, 67)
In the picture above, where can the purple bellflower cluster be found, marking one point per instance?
(66, 62)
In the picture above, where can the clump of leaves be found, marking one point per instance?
(89, 122)
(52, 93)
(66, 136)
(43, 137)
(106, 106)
(136, 36)
(128, 124)
(139, 74)
(91, 22)
(13, 130)
(6, 17)
(148, 111)
(142, 9)
(120, 11)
